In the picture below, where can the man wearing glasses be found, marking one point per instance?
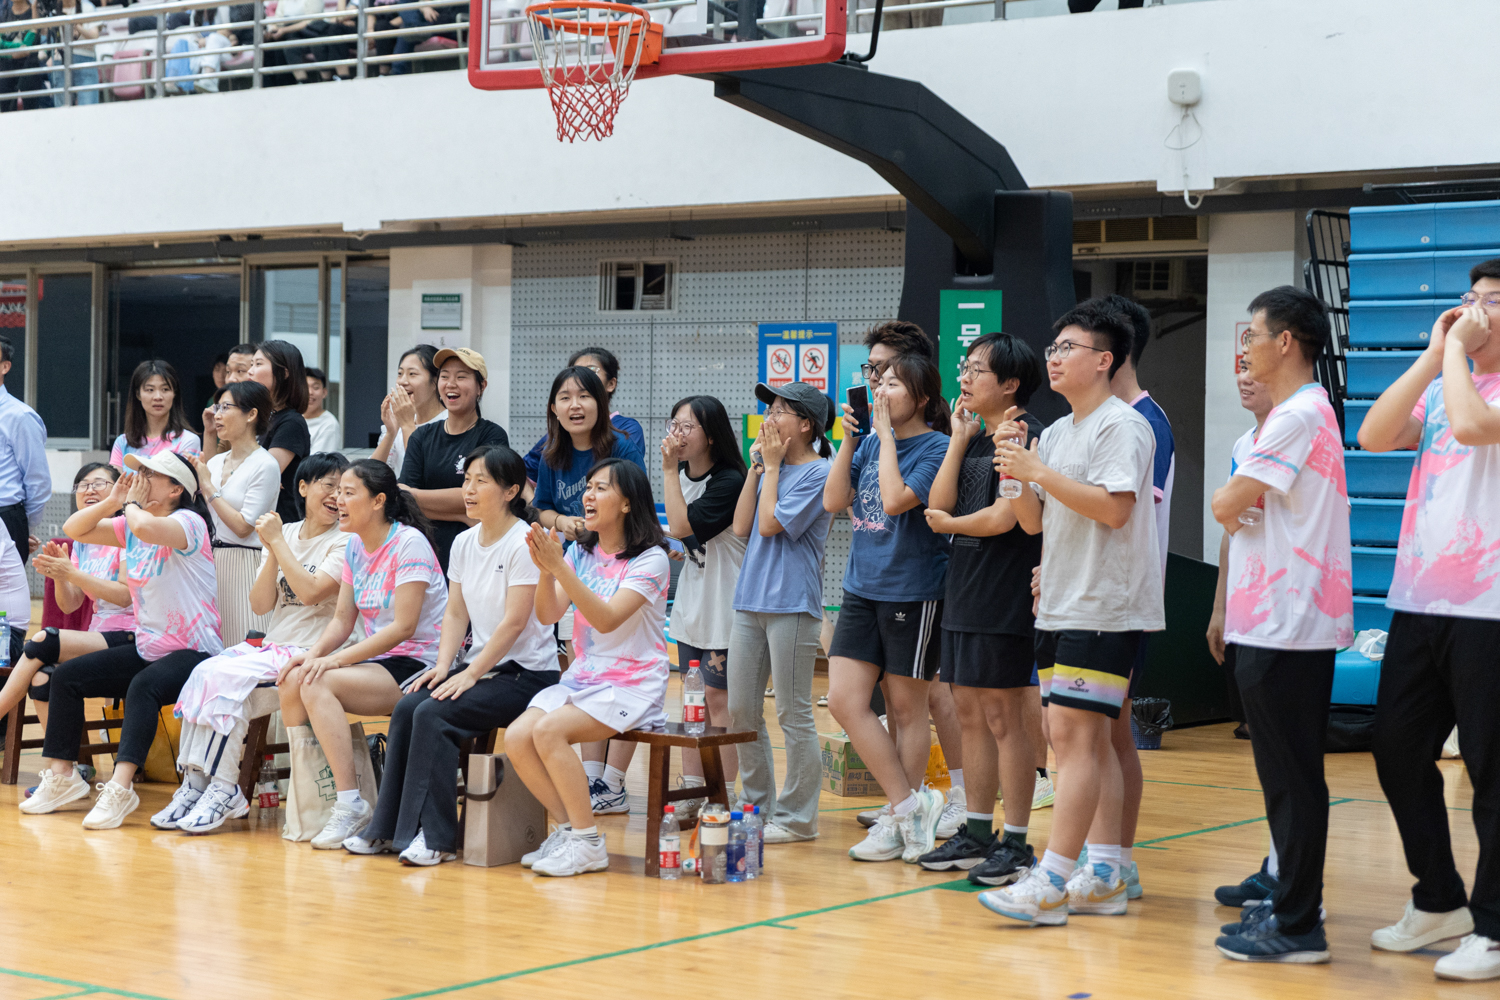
(1440, 658)
(1101, 590)
(1289, 608)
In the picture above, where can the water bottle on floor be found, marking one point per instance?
(713, 845)
(267, 791)
(735, 853)
(4, 641)
(669, 842)
(753, 830)
(694, 703)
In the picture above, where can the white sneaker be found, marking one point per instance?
(220, 803)
(418, 856)
(1477, 957)
(1418, 929)
(869, 816)
(883, 843)
(182, 803)
(345, 822)
(955, 813)
(359, 845)
(688, 809)
(1044, 794)
(1450, 746)
(1039, 897)
(114, 803)
(554, 840)
(775, 833)
(919, 827)
(55, 791)
(1088, 893)
(575, 857)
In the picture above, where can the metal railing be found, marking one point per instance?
(62, 53)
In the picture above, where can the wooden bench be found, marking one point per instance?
(707, 743)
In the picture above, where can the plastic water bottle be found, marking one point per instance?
(267, 791)
(760, 843)
(752, 842)
(735, 853)
(669, 843)
(1010, 486)
(1255, 513)
(4, 641)
(694, 705)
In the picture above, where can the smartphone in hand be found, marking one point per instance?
(859, 402)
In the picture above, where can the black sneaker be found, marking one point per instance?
(1005, 864)
(1253, 914)
(962, 851)
(1259, 886)
(1264, 942)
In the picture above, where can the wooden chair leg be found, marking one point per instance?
(655, 798)
(10, 769)
(255, 749)
(713, 777)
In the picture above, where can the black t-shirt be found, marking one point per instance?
(288, 430)
(712, 513)
(989, 579)
(435, 461)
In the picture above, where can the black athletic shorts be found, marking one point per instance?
(713, 664)
(980, 660)
(899, 637)
(401, 668)
(1086, 670)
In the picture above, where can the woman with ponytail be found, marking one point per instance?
(492, 590)
(393, 585)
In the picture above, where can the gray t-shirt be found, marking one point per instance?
(1095, 577)
(783, 574)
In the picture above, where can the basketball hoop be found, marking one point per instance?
(588, 51)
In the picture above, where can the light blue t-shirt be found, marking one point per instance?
(783, 574)
(896, 558)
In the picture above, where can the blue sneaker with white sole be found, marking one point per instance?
(1264, 941)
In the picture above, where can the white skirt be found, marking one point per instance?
(617, 708)
(234, 570)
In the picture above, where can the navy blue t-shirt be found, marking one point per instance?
(561, 490)
(629, 426)
(896, 558)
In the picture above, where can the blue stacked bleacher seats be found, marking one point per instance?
(1407, 264)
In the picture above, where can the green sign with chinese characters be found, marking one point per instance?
(963, 317)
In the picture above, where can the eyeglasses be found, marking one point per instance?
(682, 427)
(781, 411)
(967, 367)
(1249, 335)
(1062, 350)
(93, 486)
(1490, 301)
(869, 371)
(219, 408)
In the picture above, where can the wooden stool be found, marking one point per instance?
(256, 749)
(10, 768)
(707, 744)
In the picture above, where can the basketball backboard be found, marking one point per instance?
(699, 36)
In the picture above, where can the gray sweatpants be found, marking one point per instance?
(782, 649)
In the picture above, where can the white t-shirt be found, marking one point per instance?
(486, 573)
(403, 557)
(15, 594)
(1095, 577)
(173, 591)
(703, 611)
(251, 489)
(292, 622)
(397, 457)
(1448, 555)
(633, 656)
(324, 431)
(1290, 582)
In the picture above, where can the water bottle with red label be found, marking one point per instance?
(1255, 513)
(694, 702)
(267, 791)
(669, 843)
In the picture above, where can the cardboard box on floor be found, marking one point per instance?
(843, 771)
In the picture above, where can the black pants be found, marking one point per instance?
(14, 518)
(1286, 693)
(1232, 686)
(115, 673)
(1438, 671)
(418, 790)
(22, 85)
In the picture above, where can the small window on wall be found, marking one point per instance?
(627, 285)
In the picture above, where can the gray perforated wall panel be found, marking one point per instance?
(725, 285)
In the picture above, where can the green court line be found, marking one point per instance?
(86, 988)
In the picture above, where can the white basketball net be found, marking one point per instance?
(587, 61)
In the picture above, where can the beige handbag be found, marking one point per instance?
(312, 792)
(502, 819)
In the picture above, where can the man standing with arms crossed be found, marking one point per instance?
(1289, 607)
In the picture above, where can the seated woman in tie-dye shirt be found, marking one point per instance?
(89, 571)
(616, 578)
(393, 585)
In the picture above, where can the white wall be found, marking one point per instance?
(1291, 87)
(481, 274)
(1247, 254)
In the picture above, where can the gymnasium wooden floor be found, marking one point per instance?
(140, 913)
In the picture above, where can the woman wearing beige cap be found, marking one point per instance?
(433, 471)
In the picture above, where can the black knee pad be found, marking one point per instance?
(47, 649)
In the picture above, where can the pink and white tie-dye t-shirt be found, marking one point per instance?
(1290, 585)
(103, 562)
(633, 656)
(405, 556)
(185, 444)
(173, 591)
(1448, 556)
